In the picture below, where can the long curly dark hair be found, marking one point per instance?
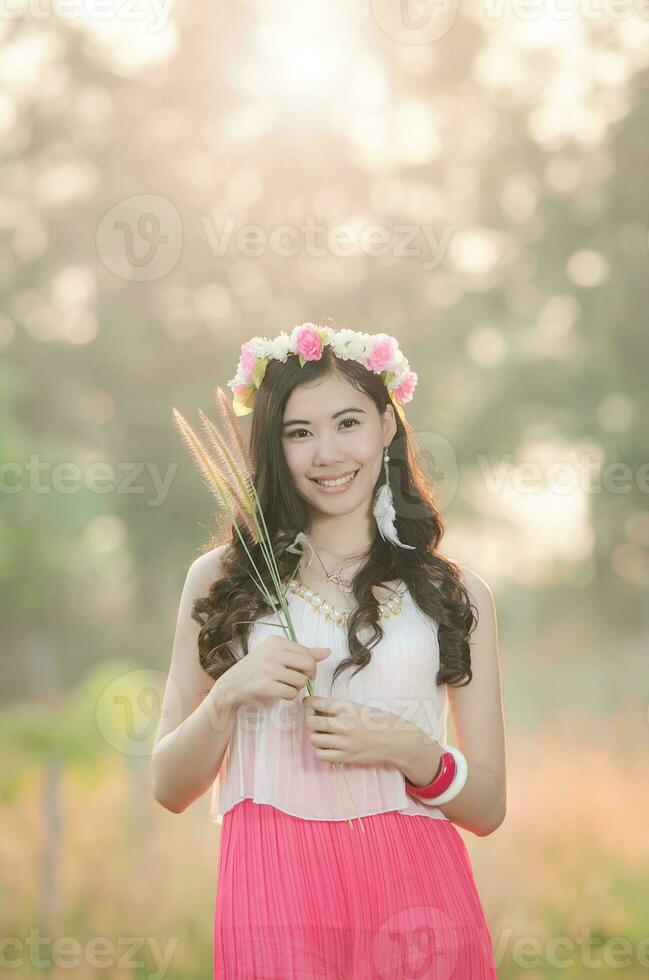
(433, 580)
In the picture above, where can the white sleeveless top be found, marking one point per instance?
(270, 758)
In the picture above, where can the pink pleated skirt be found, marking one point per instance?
(316, 900)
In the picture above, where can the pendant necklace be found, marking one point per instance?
(344, 584)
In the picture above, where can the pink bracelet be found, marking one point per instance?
(440, 782)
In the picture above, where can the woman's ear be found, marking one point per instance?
(389, 423)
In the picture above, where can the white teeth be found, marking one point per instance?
(336, 483)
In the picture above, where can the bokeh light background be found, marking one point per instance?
(177, 178)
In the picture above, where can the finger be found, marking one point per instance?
(319, 723)
(331, 756)
(304, 663)
(326, 705)
(289, 676)
(325, 740)
(285, 691)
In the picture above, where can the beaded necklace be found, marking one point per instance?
(387, 607)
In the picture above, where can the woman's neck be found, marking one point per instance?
(338, 538)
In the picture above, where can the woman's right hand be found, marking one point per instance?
(276, 668)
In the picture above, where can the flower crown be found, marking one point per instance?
(377, 352)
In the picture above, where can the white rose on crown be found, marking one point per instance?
(260, 346)
(281, 347)
(349, 345)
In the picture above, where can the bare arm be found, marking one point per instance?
(479, 727)
(198, 715)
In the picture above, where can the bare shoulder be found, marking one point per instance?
(481, 597)
(478, 590)
(206, 569)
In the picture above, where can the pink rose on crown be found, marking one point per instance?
(308, 344)
(247, 361)
(405, 390)
(383, 355)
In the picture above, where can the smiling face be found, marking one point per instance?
(331, 429)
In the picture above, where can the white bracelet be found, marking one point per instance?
(459, 779)
(458, 782)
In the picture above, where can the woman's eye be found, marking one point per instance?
(295, 432)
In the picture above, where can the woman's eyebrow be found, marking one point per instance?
(334, 416)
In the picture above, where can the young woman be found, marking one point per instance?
(391, 633)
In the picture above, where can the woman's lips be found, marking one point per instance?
(339, 489)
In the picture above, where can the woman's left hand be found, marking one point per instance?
(351, 732)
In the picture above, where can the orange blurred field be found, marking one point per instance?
(562, 862)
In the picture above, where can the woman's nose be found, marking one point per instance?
(328, 452)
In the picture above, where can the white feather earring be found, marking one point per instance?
(307, 548)
(384, 509)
